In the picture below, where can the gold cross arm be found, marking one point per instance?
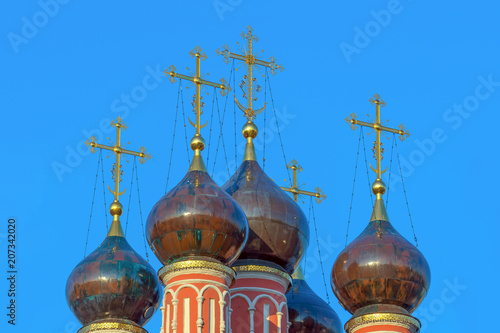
(295, 188)
(118, 150)
(353, 121)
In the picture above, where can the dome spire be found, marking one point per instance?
(379, 213)
(197, 142)
(116, 208)
(380, 277)
(250, 58)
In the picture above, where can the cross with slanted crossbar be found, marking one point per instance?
(295, 188)
(251, 61)
(377, 126)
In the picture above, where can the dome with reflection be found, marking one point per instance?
(197, 219)
(380, 267)
(279, 232)
(307, 312)
(113, 283)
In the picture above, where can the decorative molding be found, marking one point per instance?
(111, 326)
(264, 269)
(409, 322)
(201, 265)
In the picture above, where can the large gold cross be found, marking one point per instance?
(295, 187)
(197, 78)
(377, 126)
(251, 61)
(197, 142)
(116, 208)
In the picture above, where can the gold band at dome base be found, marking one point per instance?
(409, 322)
(195, 264)
(263, 269)
(111, 326)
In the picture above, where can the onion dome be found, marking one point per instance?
(279, 232)
(380, 271)
(197, 219)
(307, 312)
(113, 283)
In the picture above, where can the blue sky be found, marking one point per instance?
(69, 69)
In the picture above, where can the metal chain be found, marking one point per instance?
(221, 138)
(140, 209)
(173, 136)
(319, 252)
(234, 111)
(305, 257)
(278, 128)
(366, 164)
(185, 127)
(406, 198)
(92, 206)
(130, 196)
(390, 173)
(211, 125)
(104, 191)
(221, 135)
(265, 116)
(352, 193)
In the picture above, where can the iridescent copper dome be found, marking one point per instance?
(279, 232)
(380, 267)
(307, 312)
(197, 219)
(113, 283)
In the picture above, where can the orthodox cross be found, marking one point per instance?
(197, 143)
(251, 61)
(118, 150)
(295, 188)
(377, 126)
(116, 208)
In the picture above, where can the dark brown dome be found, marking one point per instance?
(307, 312)
(197, 219)
(279, 232)
(115, 283)
(380, 267)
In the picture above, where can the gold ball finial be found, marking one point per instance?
(116, 208)
(249, 130)
(378, 187)
(197, 142)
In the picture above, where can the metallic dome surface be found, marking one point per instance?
(307, 312)
(278, 229)
(380, 267)
(113, 283)
(197, 219)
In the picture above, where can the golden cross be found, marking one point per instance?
(295, 188)
(199, 81)
(197, 143)
(377, 126)
(251, 61)
(116, 208)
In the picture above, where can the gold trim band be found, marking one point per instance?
(115, 326)
(195, 264)
(263, 269)
(408, 322)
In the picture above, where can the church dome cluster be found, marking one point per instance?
(210, 238)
